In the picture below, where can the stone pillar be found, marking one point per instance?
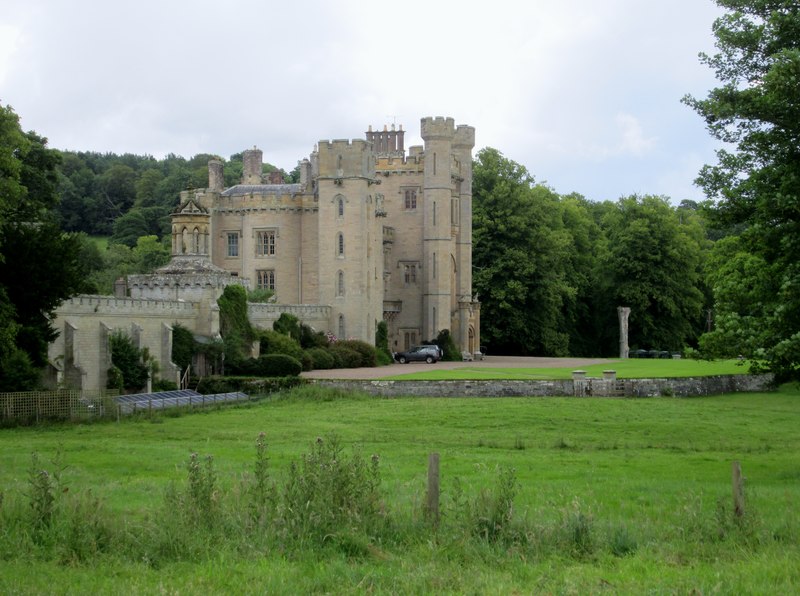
(216, 177)
(623, 312)
(252, 159)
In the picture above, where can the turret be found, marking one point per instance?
(251, 171)
(216, 177)
(437, 191)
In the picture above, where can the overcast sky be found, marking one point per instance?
(584, 93)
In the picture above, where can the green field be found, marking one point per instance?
(626, 369)
(617, 496)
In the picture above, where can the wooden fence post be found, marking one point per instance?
(433, 488)
(738, 489)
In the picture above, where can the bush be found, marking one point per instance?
(164, 385)
(449, 350)
(278, 365)
(182, 346)
(367, 354)
(312, 339)
(329, 496)
(274, 342)
(127, 358)
(211, 385)
(344, 357)
(382, 344)
(321, 359)
(288, 325)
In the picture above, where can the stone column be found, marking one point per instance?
(623, 312)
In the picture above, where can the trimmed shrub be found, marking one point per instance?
(278, 365)
(344, 357)
(273, 342)
(321, 359)
(367, 354)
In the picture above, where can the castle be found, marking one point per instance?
(369, 233)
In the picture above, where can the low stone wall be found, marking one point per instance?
(586, 387)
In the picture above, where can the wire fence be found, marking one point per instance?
(33, 407)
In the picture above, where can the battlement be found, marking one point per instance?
(437, 128)
(110, 305)
(342, 158)
(465, 136)
(389, 163)
(342, 145)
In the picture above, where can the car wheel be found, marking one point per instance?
(429, 360)
(402, 360)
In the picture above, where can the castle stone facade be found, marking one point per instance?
(369, 233)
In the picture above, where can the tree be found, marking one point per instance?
(653, 265)
(520, 248)
(129, 361)
(756, 184)
(39, 264)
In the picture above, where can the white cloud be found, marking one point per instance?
(583, 93)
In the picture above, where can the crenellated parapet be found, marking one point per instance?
(109, 305)
(464, 137)
(437, 128)
(263, 315)
(399, 165)
(343, 158)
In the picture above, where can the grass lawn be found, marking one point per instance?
(646, 481)
(626, 369)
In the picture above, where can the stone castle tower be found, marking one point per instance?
(370, 232)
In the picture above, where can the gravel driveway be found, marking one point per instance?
(488, 362)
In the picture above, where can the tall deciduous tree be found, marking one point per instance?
(39, 264)
(756, 183)
(520, 254)
(653, 265)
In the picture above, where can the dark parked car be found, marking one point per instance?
(427, 354)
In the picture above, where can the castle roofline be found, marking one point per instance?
(268, 189)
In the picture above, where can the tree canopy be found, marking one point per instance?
(39, 264)
(755, 183)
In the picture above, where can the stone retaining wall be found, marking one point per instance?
(587, 387)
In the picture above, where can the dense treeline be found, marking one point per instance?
(551, 270)
(129, 196)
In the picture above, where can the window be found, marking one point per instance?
(340, 283)
(340, 245)
(434, 213)
(266, 279)
(410, 197)
(410, 274)
(233, 244)
(341, 327)
(265, 243)
(340, 207)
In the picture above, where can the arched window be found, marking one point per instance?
(340, 245)
(340, 207)
(340, 283)
(196, 241)
(341, 327)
